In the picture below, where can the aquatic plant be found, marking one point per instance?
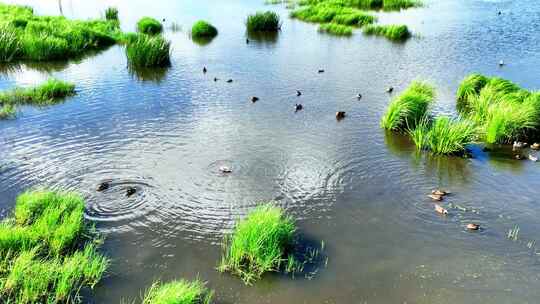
(258, 244)
(111, 13)
(263, 22)
(204, 29)
(178, 292)
(324, 13)
(409, 108)
(149, 25)
(148, 51)
(47, 93)
(392, 31)
(388, 5)
(46, 250)
(25, 36)
(336, 29)
(444, 135)
(7, 111)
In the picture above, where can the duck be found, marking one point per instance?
(533, 158)
(518, 156)
(216, 79)
(340, 115)
(500, 13)
(389, 90)
(473, 226)
(130, 191)
(103, 186)
(359, 96)
(163, 20)
(518, 145)
(204, 70)
(535, 146)
(298, 107)
(439, 192)
(247, 41)
(229, 81)
(298, 93)
(225, 169)
(321, 71)
(436, 197)
(254, 99)
(501, 63)
(440, 209)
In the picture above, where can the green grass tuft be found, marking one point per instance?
(444, 135)
(150, 26)
(263, 22)
(336, 29)
(148, 51)
(7, 111)
(203, 29)
(258, 244)
(111, 13)
(392, 31)
(178, 292)
(409, 108)
(50, 92)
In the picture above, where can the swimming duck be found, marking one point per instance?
(247, 41)
(229, 81)
(440, 209)
(501, 63)
(298, 93)
(359, 96)
(439, 192)
(254, 99)
(204, 70)
(216, 79)
(518, 156)
(390, 90)
(103, 186)
(298, 107)
(535, 146)
(473, 226)
(130, 191)
(500, 13)
(533, 158)
(436, 197)
(340, 115)
(321, 71)
(518, 145)
(225, 169)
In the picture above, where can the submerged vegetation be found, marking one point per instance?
(148, 51)
(392, 31)
(258, 244)
(25, 36)
(47, 253)
(47, 93)
(203, 29)
(178, 292)
(263, 22)
(111, 13)
(149, 25)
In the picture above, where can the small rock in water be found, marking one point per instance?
(225, 169)
(298, 107)
(390, 90)
(533, 158)
(130, 191)
(436, 197)
(103, 186)
(473, 226)
(229, 81)
(254, 99)
(440, 209)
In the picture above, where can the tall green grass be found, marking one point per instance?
(336, 29)
(263, 22)
(388, 5)
(324, 13)
(444, 135)
(25, 36)
(409, 108)
(46, 250)
(148, 51)
(392, 31)
(149, 25)
(111, 13)
(258, 244)
(50, 92)
(203, 29)
(7, 111)
(178, 292)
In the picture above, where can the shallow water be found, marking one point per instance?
(347, 183)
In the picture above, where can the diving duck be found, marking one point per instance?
(473, 226)
(390, 90)
(225, 169)
(436, 197)
(440, 209)
(298, 93)
(103, 186)
(439, 192)
(340, 115)
(204, 70)
(254, 99)
(130, 191)
(298, 107)
(535, 146)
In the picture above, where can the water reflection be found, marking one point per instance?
(156, 74)
(264, 38)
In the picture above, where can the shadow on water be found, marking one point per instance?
(156, 74)
(263, 37)
(202, 41)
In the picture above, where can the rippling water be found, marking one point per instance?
(361, 191)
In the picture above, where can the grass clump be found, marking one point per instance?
(111, 13)
(263, 22)
(178, 292)
(336, 29)
(444, 135)
(203, 29)
(46, 250)
(25, 36)
(408, 109)
(392, 31)
(47, 93)
(325, 13)
(149, 25)
(258, 244)
(7, 111)
(388, 5)
(148, 51)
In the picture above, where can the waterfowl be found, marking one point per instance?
(436, 197)
(247, 41)
(229, 81)
(340, 115)
(440, 209)
(500, 13)
(216, 79)
(225, 169)
(519, 145)
(473, 226)
(439, 192)
(501, 63)
(204, 70)
(518, 156)
(103, 186)
(321, 71)
(535, 146)
(130, 191)
(163, 19)
(359, 96)
(389, 90)
(298, 93)
(533, 158)
(254, 99)
(298, 107)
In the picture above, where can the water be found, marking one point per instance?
(347, 183)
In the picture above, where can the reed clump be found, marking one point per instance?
(391, 31)
(25, 36)
(47, 250)
(409, 108)
(336, 29)
(111, 13)
(443, 135)
(388, 5)
(327, 13)
(148, 51)
(149, 25)
(263, 22)
(50, 92)
(178, 292)
(259, 244)
(203, 29)
(7, 111)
